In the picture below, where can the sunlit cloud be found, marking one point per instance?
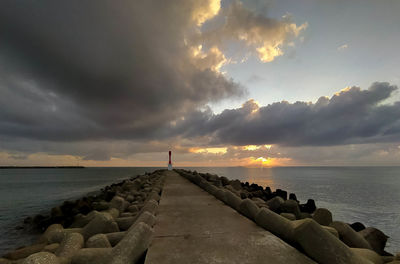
(209, 150)
(342, 47)
(206, 10)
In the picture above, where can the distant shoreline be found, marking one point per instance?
(42, 167)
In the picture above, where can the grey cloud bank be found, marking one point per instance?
(352, 116)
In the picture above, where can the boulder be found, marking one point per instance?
(133, 208)
(293, 196)
(134, 244)
(281, 193)
(115, 237)
(71, 243)
(249, 209)
(147, 218)
(92, 256)
(233, 200)
(24, 252)
(376, 238)
(53, 234)
(236, 184)
(321, 245)
(275, 203)
(125, 222)
(102, 223)
(119, 203)
(41, 258)
(323, 216)
(100, 206)
(331, 230)
(349, 236)
(220, 195)
(211, 189)
(357, 226)
(291, 206)
(288, 216)
(274, 223)
(150, 206)
(308, 207)
(368, 254)
(98, 241)
(51, 248)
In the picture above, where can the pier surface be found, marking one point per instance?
(194, 227)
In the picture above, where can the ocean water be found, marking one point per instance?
(370, 195)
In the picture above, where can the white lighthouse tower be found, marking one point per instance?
(169, 163)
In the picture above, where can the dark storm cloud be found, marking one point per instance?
(351, 116)
(74, 70)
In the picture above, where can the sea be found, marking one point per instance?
(370, 195)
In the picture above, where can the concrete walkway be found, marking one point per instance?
(194, 227)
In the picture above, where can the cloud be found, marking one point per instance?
(264, 37)
(352, 116)
(93, 70)
(343, 47)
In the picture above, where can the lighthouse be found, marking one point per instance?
(169, 163)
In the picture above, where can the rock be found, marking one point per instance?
(349, 236)
(127, 214)
(119, 203)
(323, 216)
(24, 252)
(92, 256)
(151, 206)
(125, 222)
(81, 220)
(387, 259)
(293, 196)
(320, 245)
(224, 181)
(376, 238)
(236, 184)
(291, 206)
(211, 189)
(102, 223)
(331, 230)
(100, 206)
(274, 223)
(289, 216)
(275, 203)
(145, 217)
(281, 193)
(53, 234)
(220, 195)
(248, 208)
(368, 254)
(98, 241)
(5, 261)
(308, 207)
(70, 245)
(41, 258)
(233, 200)
(134, 244)
(51, 248)
(114, 212)
(305, 215)
(115, 237)
(357, 226)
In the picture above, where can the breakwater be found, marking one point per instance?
(115, 226)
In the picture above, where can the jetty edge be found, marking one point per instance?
(119, 228)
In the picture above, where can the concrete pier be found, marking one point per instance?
(194, 227)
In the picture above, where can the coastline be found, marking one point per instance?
(69, 213)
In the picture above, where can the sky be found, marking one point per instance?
(257, 83)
